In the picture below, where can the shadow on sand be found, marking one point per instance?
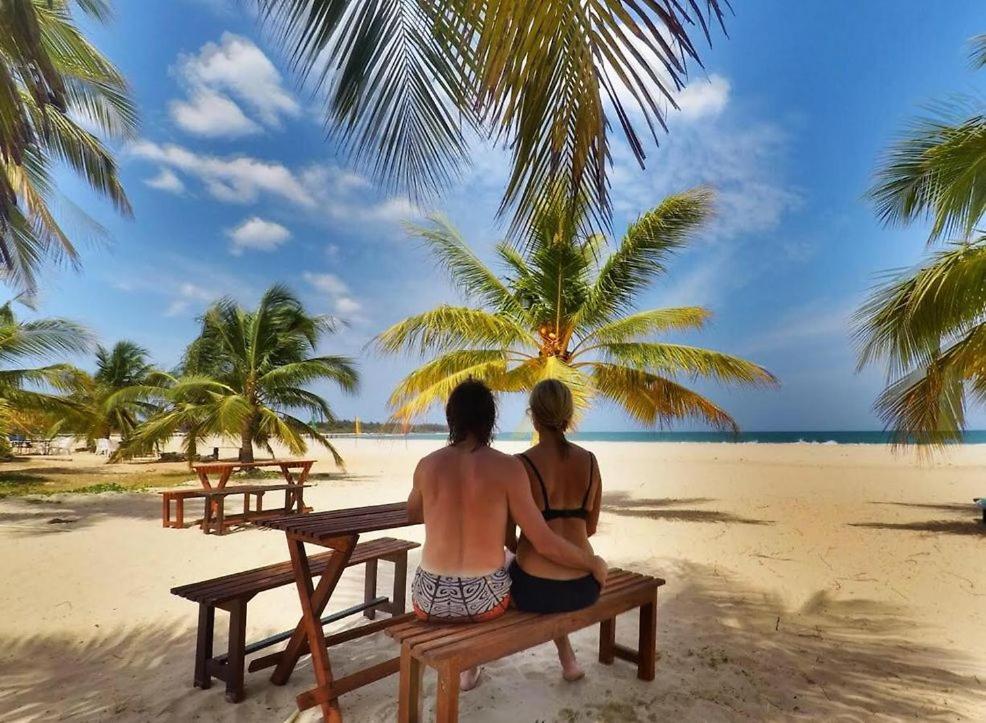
(965, 519)
(729, 651)
(668, 508)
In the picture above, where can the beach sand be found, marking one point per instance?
(804, 581)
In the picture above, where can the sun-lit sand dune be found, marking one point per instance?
(803, 581)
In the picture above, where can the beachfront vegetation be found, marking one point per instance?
(245, 376)
(566, 309)
(28, 394)
(98, 410)
(929, 324)
(54, 87)
(409, 84)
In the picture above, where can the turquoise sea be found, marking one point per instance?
(977, 436)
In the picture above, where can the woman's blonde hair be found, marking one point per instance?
(551, 405)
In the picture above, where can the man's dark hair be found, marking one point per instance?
(471, 409)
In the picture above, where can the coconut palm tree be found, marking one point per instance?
(408, 83)
(244, 377)
(30, 389)
(99, 409)
(929, 323)
(54, 85)
(565, 309)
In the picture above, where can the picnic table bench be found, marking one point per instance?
(215, 491)
(452, 648)
(233, 592)
(215, 518)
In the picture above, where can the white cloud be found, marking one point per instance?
(185, 295)
(337, 291)
(327, 283)
(234, 179)
(327, 191)
(704, 97)
(233, 67)
(211, 114)
(166, 180)
(347, 306)
(257, 234)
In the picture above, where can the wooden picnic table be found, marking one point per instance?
(337, 530)
(215, 491)
(226, 469)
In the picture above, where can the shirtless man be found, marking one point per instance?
(463, 493)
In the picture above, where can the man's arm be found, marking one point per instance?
(535, 529)
(597, 500)
(415, 503)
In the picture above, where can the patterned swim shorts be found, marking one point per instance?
(447, 598)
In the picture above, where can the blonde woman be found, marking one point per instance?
(566, 486)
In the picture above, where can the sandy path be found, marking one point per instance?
(803, 581)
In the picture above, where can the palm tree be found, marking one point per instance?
(929, 323)
(407, 83)
(243, 377)
(53, 85)
(99, 407)
(27, 389)
(564, 310)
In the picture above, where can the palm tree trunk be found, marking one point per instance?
(246, 445)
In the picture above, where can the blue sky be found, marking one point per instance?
(234, 187)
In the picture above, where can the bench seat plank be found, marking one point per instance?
(251, 582)
(475, 643)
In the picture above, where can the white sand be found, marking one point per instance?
(803, 581)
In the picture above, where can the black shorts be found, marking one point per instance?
(543, 595)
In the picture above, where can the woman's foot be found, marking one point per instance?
(570, 668)
(469, 679)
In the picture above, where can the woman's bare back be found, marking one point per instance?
(572, 482)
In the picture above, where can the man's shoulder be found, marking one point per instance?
(502, 464)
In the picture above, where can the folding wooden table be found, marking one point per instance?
(337, 530)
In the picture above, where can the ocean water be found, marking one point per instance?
(977, 436)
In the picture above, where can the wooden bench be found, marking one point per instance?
(177, 496)
(233, 592)
(216, 520)
(452, 648)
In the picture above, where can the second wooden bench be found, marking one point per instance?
(233, 592)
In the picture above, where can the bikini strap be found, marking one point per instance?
(592, 467)
(544, 490)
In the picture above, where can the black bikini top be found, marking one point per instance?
(580, 513)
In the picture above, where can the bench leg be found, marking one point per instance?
(237, 650)
(607, 641)
(447, 703)
(180, 513)
(221, 515)
(165, 511)
(409, 700)
(397, 602)
(370, 587)
(203, 646)
(647, 640)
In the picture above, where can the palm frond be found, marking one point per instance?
(433, 383)
(653, 400)
(451, 327)
(471, 276)
(910, 317)
(408, 80)
(676, 359)
(644, 323)
(393, 90)
(643, 253)
(937, 170)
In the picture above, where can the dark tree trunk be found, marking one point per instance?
(246, 445)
